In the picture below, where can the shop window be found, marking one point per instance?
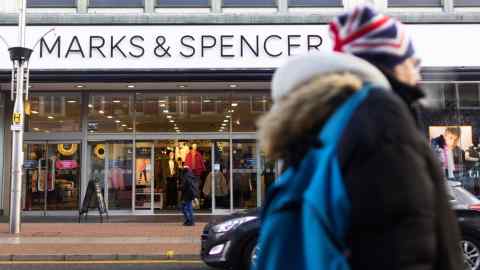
(182, 3)
(315, 3)
(53, 113)
(51, 3)
(247, 110)
(466, 3)
(414, 3)
(469, 96)
(116, 3)
(110, 113)
(248, 3)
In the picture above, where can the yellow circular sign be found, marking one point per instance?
(17, 118)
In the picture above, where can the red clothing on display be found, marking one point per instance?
(195, 161)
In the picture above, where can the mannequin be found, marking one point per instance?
(172, 181)
(181, 150)
(196, 162)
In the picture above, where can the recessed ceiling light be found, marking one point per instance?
(124, 125)
(207, 100)
(72, 101)
(131, 86)
(90, 105)
(92, 131)
(225, 120)
(224, 125)
(50, 117)
(34, 112)
(118, 121)
(80, 86)
(234, 104)
(162, 105)
(182, 86)
(171, 121)
(109, 117)
(233, 86)
(169, 116)
(165, 111)
(231, 111)
(36, 129)
(130, 128)
(116, 101)
(101, 112)
(228, 116)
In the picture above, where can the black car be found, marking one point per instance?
(231, 242)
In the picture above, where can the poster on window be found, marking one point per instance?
(449, 144)
(143, 168)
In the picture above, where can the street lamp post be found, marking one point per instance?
(20, 56)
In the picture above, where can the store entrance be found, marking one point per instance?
(51, 178)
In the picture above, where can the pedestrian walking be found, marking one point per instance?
(360, 188)
(189, 193)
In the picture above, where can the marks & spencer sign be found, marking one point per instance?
(149, 47)
(216, 46)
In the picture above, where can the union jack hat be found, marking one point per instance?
(375, 37)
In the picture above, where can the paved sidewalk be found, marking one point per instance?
(101, 241)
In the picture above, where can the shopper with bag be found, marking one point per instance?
(189, 194)
(360, 188)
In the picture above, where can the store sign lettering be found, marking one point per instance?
(187, 46)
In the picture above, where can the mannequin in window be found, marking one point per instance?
(181, 150)
(446, 147)
(196, 162)
(172, 181)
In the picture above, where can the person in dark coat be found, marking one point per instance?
(189, 193)
(399, 214)
(413, 226)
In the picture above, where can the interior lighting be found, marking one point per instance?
(169, 116)
(228, 116)
(116, 101)
(165, 111)
(234, 104)
(130, 128)
(225, 121)
(162, 105)
(72, 101)
(101, 112)
(182, 86)
(118, 121)
(34, 112)
(80, 86)
(109, 117)
(50, 117)
(207, 100)
(36, 129)
(90, 105)
(131, 86)
(171, 121)
(233, 86)
(124, 125)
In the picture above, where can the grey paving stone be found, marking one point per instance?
(38, 257)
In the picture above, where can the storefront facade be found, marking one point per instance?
(122, 100)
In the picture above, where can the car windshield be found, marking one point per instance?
(462, 196)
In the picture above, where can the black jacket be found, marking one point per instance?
(187, 185)
(401, 217)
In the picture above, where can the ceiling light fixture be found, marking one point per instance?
(228, 116)
(36, 129)
(165, 111)
(34, 112)
(80, 86)
(234, 104)
(101, 112)
(207, 101)
(169, 116)
(118, 121)
(233, 86)
(131, 86)
(130, 128)
(72, 101)
(162, 105)
(182, 86)
(171, 121)
(109, 117)
(50, 117)
(116, 101)
(225, 121)
(90, 105)
(124, 125)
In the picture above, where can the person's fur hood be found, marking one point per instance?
(294, 120)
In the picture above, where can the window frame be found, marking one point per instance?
(422, 5)
(301, 5)
(261, 5)
(73, 5)
(90, 5)
(158, 4)
(463, 5)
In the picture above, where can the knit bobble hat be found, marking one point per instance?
(375, 37)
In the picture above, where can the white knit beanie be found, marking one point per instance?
(301, 69)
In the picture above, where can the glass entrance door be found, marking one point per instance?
(144, 176)
(51, 176)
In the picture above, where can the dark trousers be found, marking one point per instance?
(171, 192)
(187, 211)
